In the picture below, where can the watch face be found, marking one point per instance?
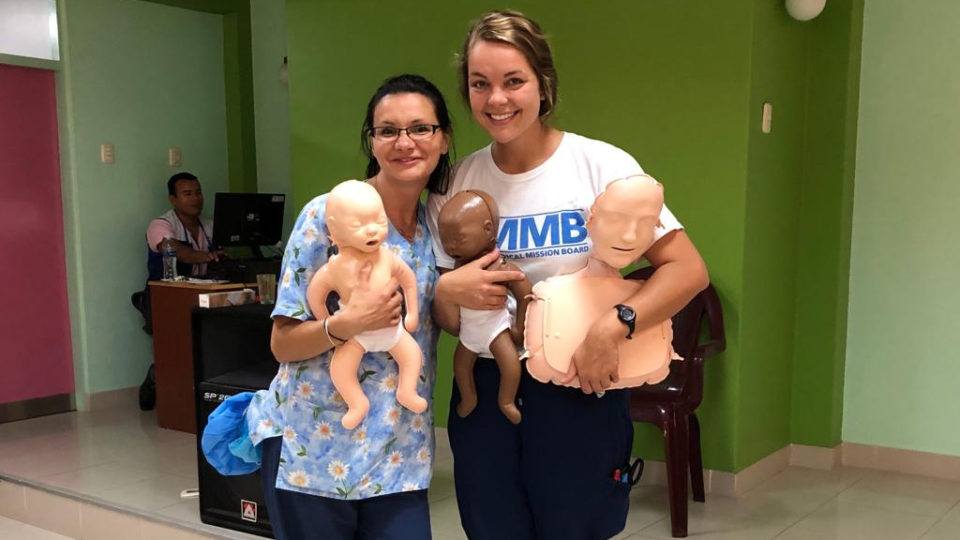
(627, 314)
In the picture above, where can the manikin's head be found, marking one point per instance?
(355, 216)
(468, 225)
(623, 218)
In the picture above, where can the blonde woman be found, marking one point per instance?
(553, 475)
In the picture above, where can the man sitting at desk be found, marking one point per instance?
(191, 232)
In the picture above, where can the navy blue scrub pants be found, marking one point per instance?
(296, 516)
(551, 476)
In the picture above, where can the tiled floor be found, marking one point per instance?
(21, 531)
(120, 460)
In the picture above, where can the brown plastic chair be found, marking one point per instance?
(670, 404)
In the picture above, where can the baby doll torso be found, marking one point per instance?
(343, 270)
(478, 327)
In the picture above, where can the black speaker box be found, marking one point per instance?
(231, 351)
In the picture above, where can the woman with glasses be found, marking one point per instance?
(321, 480)
(555, 475)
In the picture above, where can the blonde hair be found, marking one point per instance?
(519, 31)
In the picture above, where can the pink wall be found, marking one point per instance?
(35, 352)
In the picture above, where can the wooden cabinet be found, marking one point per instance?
(172, 303)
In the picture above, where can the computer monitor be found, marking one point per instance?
(248, 219)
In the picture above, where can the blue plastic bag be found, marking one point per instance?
(226, 439)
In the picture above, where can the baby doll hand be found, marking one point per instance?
(411, 322)
(473, 286)
(597, 360)
(369, 308)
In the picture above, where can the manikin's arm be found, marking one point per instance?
(408, 283)
(320, 286)
(521, 291)
(445, 313)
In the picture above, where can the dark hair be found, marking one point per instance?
(172, 182)
(412, 84)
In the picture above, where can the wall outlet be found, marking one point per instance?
(174, 156)
(766, 119)
(106, 153)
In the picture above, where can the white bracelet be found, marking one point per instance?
(326, 330)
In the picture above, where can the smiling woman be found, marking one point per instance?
(543, 181)
(300, 420)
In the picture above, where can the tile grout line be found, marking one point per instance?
(941, 518)
(882, 473)
(815, 510)
(640, 532)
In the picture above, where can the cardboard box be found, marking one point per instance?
(227, 298)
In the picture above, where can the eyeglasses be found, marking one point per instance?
(419, 132)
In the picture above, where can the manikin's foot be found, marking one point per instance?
(412, 401)
(466, 406)
(511, 411)
(355, 415)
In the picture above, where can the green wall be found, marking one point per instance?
(154, 80)
(238, 84)
(826, 208)
(902, 369)
(797, 228)
(774, 176)
(680, 90)
(271, 101)
(678, 84)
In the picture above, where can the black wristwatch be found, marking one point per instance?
(627, 316)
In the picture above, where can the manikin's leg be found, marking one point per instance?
(463, 362)
(505, 353)
(343, 373)
(409, 359)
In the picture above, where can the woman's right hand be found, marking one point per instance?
(369, 308)
(473, 286)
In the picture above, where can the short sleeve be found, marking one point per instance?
(306, 252)
(609, 163)
(157, 231)
(668, 222)
(434, 203)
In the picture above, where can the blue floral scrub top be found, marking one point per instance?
(392, 450)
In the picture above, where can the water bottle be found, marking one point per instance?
(169, 252)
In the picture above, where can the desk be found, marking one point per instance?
(171, 303)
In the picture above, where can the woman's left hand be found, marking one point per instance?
(597, 361)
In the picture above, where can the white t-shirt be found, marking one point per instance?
(543, 211)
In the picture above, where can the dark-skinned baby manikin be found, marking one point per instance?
(468, 225)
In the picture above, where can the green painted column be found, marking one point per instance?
(823, 239)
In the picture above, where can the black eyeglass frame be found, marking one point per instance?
(373, 132)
